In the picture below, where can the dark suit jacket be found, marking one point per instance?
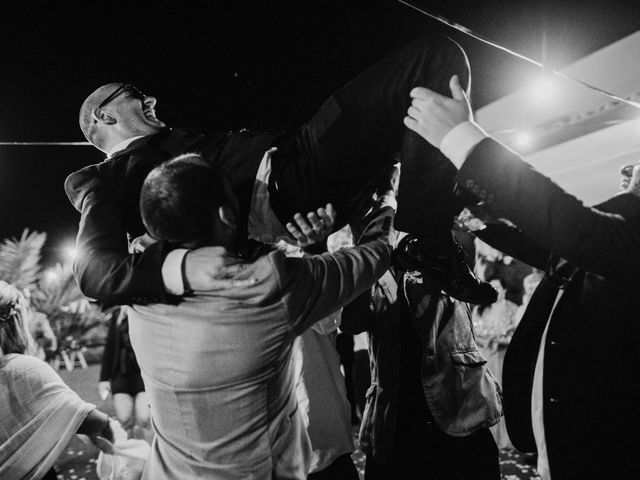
(107, 196)
(591, 390)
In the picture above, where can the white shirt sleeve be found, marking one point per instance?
(388, 200)
(172, 273)
(459, 142)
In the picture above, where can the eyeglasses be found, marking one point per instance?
(125, 87)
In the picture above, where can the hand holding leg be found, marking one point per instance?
(433, 116)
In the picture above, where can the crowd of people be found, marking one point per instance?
(225, 345)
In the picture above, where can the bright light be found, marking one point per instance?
(523, 139)
(70, 252)
(543, 89)
(51, 275)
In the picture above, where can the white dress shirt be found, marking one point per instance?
(122, 145)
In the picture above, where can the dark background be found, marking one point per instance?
(263, 65)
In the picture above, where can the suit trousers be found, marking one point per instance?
(434, 455)
(349, 144)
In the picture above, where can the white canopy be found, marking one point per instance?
(578, 137)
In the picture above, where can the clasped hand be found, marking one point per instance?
(433, 116)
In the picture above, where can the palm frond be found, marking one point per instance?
(56, 289)
(20, 259)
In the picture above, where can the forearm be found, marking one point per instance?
(104, 268)
(336, 279)
(119, 278)
(549, 216)
(96, 423)
(511, 241)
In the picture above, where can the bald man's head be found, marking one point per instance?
(86, 119)
(116, 112)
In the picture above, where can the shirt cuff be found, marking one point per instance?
(459, 142)
(172, 273)
(388, 200)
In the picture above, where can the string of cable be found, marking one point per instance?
(414, 4)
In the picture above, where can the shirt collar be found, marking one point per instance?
(122, 145)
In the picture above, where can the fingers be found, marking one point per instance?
(301, 231)
(304, 226)
(457, 92)
(233, 269)
(295, 233)
(327, 216)
(313, 228)
(413, 112)
(231, 283)
(316, 223)
(411, 123)
(422, 93)
(331, 212)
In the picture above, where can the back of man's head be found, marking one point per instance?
(181, 198)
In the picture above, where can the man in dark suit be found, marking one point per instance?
(335, 157)
(571, 389)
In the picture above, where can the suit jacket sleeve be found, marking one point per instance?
(601, 242)
(103, 267)
(315, 287)
(510, 240)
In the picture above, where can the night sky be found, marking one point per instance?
(262, 65)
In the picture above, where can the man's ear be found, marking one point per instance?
(102, 116)
(227, 216)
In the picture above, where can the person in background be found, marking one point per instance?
(322, 397)
(120, 377)
(39, 414)
(432, 399)
(321, 389)
(344, 347)
(361, 375)
(42, 333)
(571, 389)
(529, 285)
(494, 325)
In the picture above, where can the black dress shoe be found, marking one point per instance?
(445, 263)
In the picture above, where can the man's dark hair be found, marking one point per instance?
(180, 198)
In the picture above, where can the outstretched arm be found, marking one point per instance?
(106, 271)
(314, 229)
(321, 284)
(605, 240)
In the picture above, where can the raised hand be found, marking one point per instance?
(433, 116)
(316, 227)
(630, 181)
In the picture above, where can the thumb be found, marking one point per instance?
(456, 89)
